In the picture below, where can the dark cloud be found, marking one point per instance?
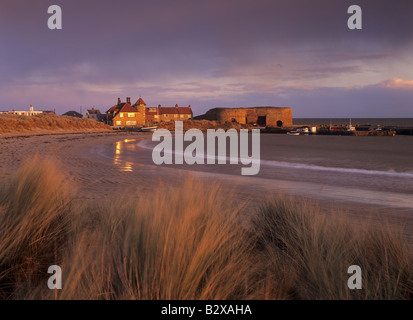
(199, 52)
(364, 102)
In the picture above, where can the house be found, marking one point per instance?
(94, 114)
(31, 112)
(124, 114)
(73, 114)
(166, 114)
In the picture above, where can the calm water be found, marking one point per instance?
(375, 170)
(384, 122)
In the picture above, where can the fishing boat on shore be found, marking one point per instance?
(299, 131)
(149, 129)
(293, 133)
(351, 127)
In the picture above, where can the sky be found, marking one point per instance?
(226, 53)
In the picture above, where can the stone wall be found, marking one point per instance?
(263, 116)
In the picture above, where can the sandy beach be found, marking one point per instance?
(97, 175)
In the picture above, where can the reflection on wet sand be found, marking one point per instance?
(120, 147)
(388, 190)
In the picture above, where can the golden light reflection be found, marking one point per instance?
(117, 148)
(124, 166)
(120, 146)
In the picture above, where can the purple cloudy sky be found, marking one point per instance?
(214, 53)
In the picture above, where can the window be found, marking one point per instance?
(131, 115)
(118, 123)
(156, 116)
(182, 116)
(131, 123)
(121, 114)
(166, 115)
(189, 116)
(175, 116)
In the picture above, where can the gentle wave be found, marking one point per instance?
(301, 166)
(304, 166)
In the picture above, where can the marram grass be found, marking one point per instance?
(186, 242)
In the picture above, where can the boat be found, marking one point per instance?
(350, 127)
(299, 131)
(148, 129)
(293, 133)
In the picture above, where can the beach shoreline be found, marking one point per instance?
(97, 177)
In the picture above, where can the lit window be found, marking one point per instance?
(131, 115)
(121, 115)
(118, 123)
(131, 123)
(156, 116)
(182, 115)
(175, 116)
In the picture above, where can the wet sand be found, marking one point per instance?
(98, 175)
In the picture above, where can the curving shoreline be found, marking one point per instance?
(97, 177)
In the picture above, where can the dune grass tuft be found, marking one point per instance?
(182, 243)
(314, 252)
(34, 224)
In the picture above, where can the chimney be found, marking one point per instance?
(119, 102)
(128, 100)
(31, 108)
(189, 106)
(176, 106)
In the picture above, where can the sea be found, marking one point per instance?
(368, 169)
(384, 122)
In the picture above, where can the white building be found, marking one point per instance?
(31, 112)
